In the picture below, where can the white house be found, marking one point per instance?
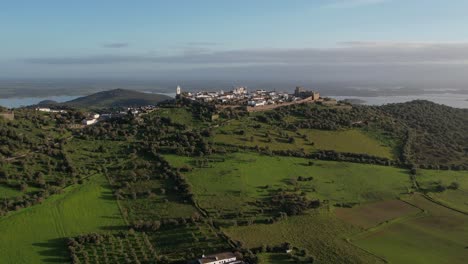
(48, 110)
(220, 258)
(256, 102)
(88, 122)
(239, 90)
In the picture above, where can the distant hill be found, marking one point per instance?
(47, 102)
(438, 132)
(117, 98)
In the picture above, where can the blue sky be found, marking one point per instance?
(60, 39)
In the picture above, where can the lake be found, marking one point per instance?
(26, 101)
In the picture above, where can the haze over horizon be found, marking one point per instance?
(392, 42)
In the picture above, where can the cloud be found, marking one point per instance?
(116, 45)
(353, 3)
(349, 53)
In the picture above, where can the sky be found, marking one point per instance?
(356, 40)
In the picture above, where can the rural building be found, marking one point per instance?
(257, 103)
(88, 122)
(48, 110)
(220, 258)
(43, 109)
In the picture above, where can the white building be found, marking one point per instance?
(88, 122)
(256, 103)
(48, 110)
(239, 90)
(178, 90)
(43, 109)
(221, 258)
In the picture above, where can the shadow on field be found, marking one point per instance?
(107, 195)
(302, 164)
(114, 228)
(54, 251)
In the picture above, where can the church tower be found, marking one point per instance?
(178, 90)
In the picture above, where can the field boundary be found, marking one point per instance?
(118, 203)
(438, 202)
(382, 225)
(420, 214)
(365, 250)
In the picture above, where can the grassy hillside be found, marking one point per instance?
(117, 98)
(247, 132)
(37, 234)
(187, 184)
(242, 179)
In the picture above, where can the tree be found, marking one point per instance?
(454, 186)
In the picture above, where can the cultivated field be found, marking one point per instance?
(439, 235)
(456, 198)
(320, 233)
(370, 215)
(37, 234)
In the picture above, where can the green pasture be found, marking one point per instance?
(353, 140)
(8, 192)
(178, 115)
(37, 234)
(234, 185)
(440, 235)
(320, 233)
(456, 198)
(279, 258)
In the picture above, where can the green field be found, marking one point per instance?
(440, 235)
(36, 234)
(352, 140)
(276, 258)
(178, 115)
(320, 233)
(235, 184)
(281, 258)
(373, 214)
(8, 192)
(458, 198)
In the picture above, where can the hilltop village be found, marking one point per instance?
(257, 100)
